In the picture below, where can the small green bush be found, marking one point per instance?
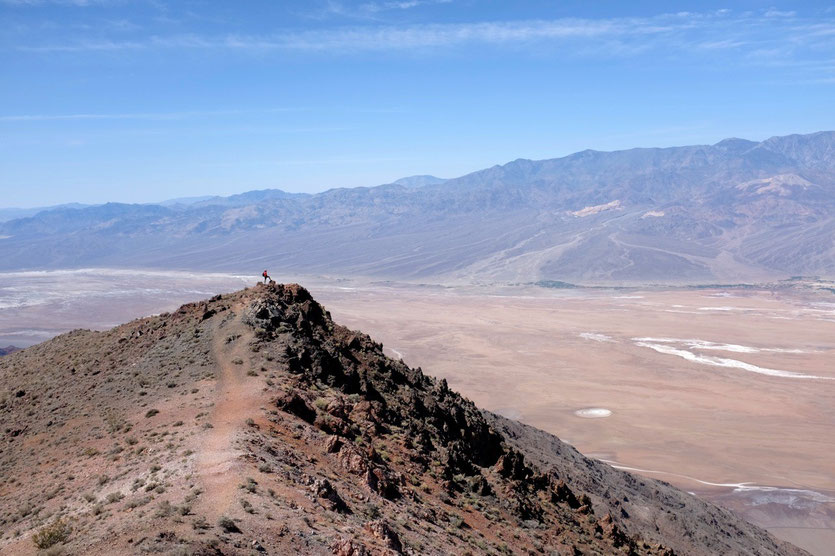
(59, 531)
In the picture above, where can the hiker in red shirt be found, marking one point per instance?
(266, 277)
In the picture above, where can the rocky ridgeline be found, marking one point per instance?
(357, 402)
(251, 422)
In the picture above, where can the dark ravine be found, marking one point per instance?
(252, 422)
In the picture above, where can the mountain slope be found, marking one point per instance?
(251, 422)
(734, 211)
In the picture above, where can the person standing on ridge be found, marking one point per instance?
(266, 277)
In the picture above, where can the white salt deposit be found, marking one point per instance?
(715, 346)
(596, 337)
(593, 413)
(724, 362)
(793, 497)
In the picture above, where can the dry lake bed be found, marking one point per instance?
(725, 393)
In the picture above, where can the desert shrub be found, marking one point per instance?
(228, 525)
(151, 413)
(165, 509)
(114, 497)
(59, 531)
(137, 502)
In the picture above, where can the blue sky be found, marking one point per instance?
(138, 101)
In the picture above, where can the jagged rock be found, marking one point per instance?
(333, 444)
(381, 530)
(328, 496)
(333, 425)
(480, 486)
(381, 482)
(293, 403)
(352, 459)
(562, 494)
(512, 466)
(348, 547)
(615, 534)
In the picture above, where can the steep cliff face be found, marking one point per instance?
(252, 422)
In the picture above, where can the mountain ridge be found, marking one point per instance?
(680, 217)
(253, 422)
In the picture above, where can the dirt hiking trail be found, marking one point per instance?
(219, 463)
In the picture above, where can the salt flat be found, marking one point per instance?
(726, 394)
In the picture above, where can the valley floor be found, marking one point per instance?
(729, 394)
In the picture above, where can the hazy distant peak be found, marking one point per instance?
(185, 201)
(419, 181)
(735, 144)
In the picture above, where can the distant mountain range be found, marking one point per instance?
(12, 213)
(738, 210)
(8, 349)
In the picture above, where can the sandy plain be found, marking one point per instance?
(727, 394)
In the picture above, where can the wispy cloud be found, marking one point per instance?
(71, 3)
(383, 37)
(155, 116)
(399, 5)
(764, 37)
(774, 12)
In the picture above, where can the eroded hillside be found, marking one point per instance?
(251, 423)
